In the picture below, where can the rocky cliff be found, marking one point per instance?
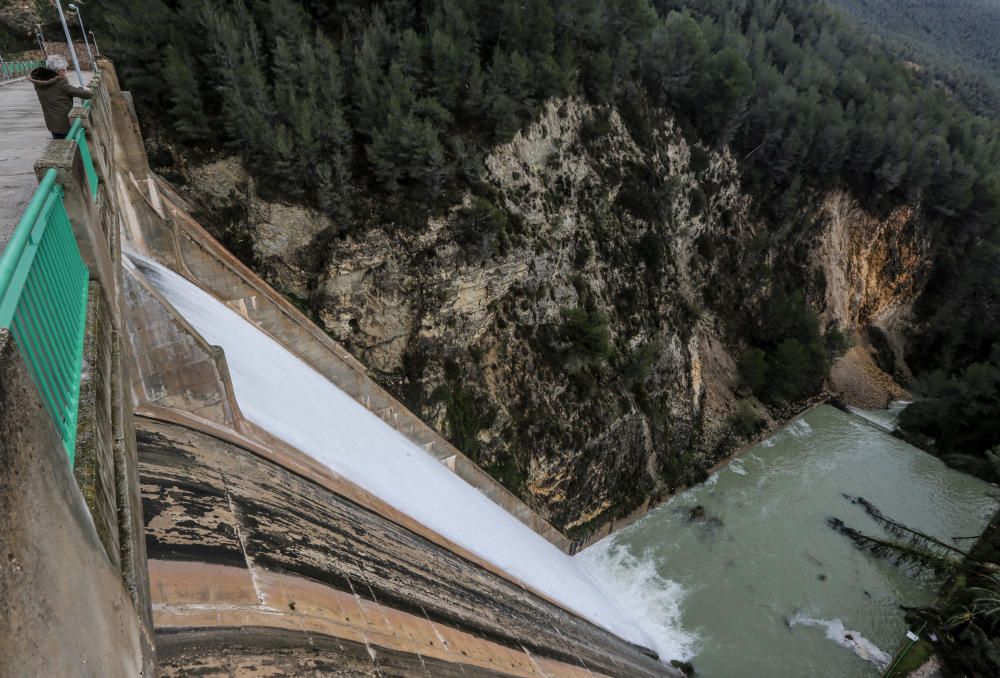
(873, 270)
(572, 324)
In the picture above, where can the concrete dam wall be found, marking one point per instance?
(264, 543)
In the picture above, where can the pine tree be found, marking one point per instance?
(186, 111)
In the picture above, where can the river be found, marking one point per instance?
(759, 585)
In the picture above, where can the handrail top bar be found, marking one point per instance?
(22, 232)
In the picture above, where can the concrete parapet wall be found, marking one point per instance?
(95, 464)
(65, 610)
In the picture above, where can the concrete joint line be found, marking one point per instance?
(533, 662)
(571, 648)
(251, 564)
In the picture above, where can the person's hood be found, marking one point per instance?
(43, 77)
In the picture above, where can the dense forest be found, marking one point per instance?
(382, 111)
(954, 41)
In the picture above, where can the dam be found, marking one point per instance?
(198, 480)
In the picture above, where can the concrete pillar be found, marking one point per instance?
(62, 155)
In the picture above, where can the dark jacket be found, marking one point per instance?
(56, 96)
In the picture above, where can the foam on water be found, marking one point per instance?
(886, 418)
(292, 401)
(653, 599)
(800, 428)
(736, 466)
(852, 640)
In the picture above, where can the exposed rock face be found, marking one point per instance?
(874, 268)
(281, 235)
(568, 333)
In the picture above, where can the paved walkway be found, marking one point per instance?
(22, 139)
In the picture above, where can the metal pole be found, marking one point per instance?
(69, 43)
(41, 40)
(93, 39)
(79, 17)
(3, 68)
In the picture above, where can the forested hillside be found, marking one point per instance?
(380, 115)
(954, 40)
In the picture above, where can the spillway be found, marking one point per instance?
(287, 398)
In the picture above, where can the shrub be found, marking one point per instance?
(698, 201)
(586, 331)
(482, 226)
(700, 159)
(752, 367)
(837, 343)
(795, 370)
(744, 421)
(640, 364)
(595, 127)
(466, 417)
(961, 411)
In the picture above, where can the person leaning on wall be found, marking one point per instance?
(56, 94)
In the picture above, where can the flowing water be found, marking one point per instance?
(289, 399)
(756, 584)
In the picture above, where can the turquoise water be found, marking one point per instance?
(760, 585)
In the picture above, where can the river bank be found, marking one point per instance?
(792, 413)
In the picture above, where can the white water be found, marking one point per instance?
(852, 640)
(655, 600)
(292, 401)
(884, 418)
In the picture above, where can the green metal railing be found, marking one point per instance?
(78, 134)
(43, 301)
(15, 69)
